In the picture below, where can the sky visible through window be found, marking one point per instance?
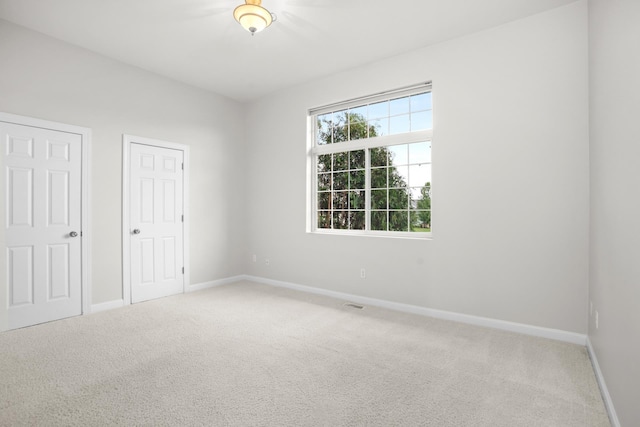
(406, 114)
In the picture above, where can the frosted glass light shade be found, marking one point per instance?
(253, 17)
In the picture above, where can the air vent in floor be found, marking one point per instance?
(352, 305)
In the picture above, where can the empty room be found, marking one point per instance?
(320, 213)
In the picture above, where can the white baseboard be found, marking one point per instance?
(537, 331)
(608, 403)
(109, 305)
(213, 283)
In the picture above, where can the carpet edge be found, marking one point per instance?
(537, 331)
(604, 391)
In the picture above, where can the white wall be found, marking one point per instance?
(510, 179)
(44, 78)
(511, 174)
(614, 32)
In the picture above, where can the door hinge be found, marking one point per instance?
(182, 270)
(182, 218)
(183, 166)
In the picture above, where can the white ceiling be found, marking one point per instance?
(199, 43)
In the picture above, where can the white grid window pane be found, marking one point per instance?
(385, 187)
(378, 127)
(421, 120)
(420, 152)
(399, 106)
(419, 175)
(399, 154)
(399, 124)
(421, 102)
(379, 110)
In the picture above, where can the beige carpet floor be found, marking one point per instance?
(252, 355)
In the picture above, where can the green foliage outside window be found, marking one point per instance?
(341, 182)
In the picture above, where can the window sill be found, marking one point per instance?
(382, 234)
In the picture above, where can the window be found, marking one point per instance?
(371, 165)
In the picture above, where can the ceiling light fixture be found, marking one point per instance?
(253, 17)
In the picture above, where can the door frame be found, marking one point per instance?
(127, 140)
(85, 196)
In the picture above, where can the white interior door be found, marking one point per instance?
(156, 222)
(43, 170)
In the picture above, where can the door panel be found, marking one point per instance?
(169, 252)
(43, 204)
(146, 201)
(58, 184)
(58, 274)
(20, 271)
(169, 204)
(20, 197)
(146, 262)
(156, 206)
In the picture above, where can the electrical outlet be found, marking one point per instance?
(255, 258)
(597, 325)
(267, 262)
(363, 273)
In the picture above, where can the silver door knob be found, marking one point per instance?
(73, 234)
(136, 231)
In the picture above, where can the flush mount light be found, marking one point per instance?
(253, 17)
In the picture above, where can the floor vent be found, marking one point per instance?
(352, 305)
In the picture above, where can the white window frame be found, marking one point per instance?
(315, 150)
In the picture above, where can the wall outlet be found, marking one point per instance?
(597, 320)
(254, 258)
(267, 262)
(363, 273)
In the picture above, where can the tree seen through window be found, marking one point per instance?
(399, 179)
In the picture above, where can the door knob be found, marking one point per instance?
(73, 234)
(136, 231)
